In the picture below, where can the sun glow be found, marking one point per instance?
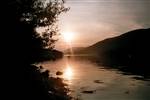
(68, 73)
(68, 36)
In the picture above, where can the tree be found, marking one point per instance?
(29, 15)
(23, 45)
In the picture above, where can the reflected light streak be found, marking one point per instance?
(68, 73)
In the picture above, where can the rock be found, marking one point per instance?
(59, 73)
(98, 81)
(127, 92)
(89, 91)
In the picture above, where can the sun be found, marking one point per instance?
(68, 36)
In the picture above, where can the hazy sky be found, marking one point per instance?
(95, 20)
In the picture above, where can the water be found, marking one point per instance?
(90, 81)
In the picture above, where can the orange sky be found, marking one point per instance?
(95, 20)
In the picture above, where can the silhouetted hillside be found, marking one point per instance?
(47, 54)
(128, 52)
(131, 48)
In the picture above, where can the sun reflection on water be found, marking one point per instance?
(68, 73)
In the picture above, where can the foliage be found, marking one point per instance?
(21, 19)
(43, 13)
(29, 15)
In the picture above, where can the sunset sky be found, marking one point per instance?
(91, 21)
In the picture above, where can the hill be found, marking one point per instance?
(131, 48)
(74, 49)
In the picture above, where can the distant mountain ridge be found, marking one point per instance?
(68, 51)
(131, 48)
